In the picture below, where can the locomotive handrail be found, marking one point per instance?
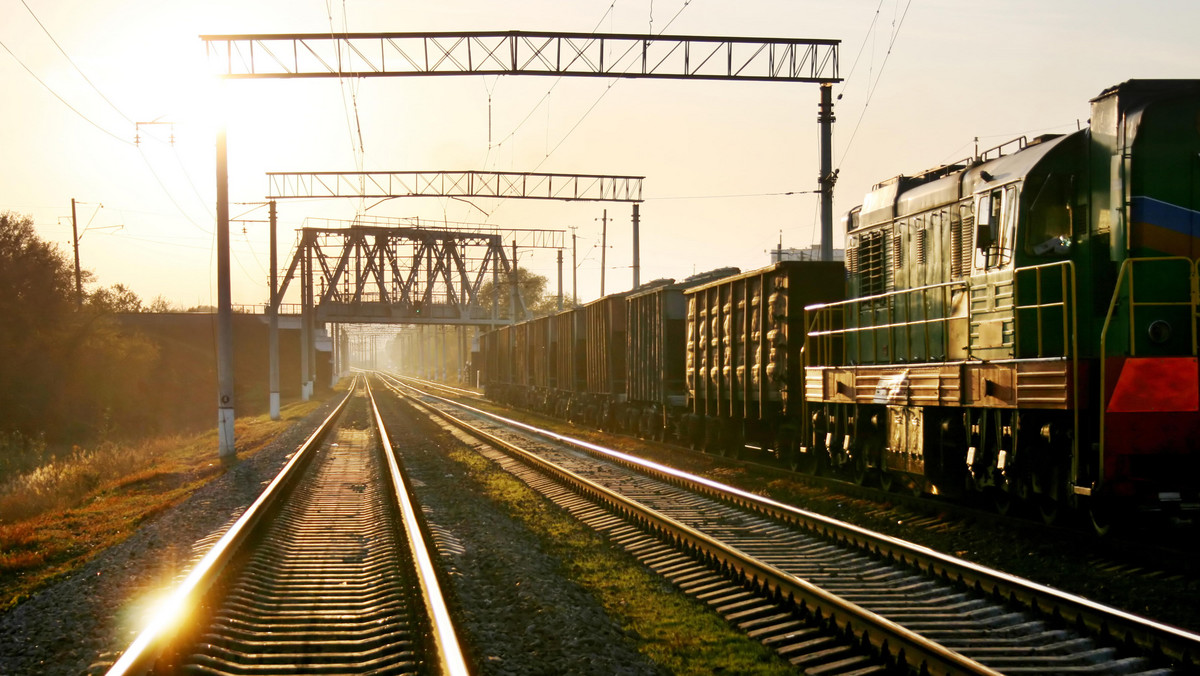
(823, 315)
(1128, 265)
(1067, 279)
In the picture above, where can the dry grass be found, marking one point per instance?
(55, 518)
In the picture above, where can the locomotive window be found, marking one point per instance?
(1048, 231)
(993, 236)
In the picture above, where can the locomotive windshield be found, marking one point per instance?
(1048, 229)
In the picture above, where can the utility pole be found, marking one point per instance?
(560, 297)
(75, 241)
(603, 250)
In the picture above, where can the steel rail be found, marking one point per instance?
(1173, 643)
(885, 637)
(444, 638)
(168, 620)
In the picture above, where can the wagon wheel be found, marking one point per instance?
(810, 461)
(712, 436)
(734, 440)
(887, 480)
(916, 486)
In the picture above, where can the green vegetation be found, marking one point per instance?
(674, 631)
(533, 292)
(68, 372)
(67, 511)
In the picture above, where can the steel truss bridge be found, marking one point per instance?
(400, 275)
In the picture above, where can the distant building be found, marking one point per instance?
(812, 253)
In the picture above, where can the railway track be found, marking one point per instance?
(822, 593)
(1158, 550)
(327, 572)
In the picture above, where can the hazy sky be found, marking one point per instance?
(923, 79)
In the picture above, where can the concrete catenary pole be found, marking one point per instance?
(637, 247)
(227, 450)
(273, 330)
(828, 175)
(305, 318)
(603, 249)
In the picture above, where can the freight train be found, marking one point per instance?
(1020, 325)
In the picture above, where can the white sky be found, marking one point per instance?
(956, 70)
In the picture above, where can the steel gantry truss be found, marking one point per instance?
(524, 53)
(522, 185)
(399, 275)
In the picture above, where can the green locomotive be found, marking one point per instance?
(1023, 324)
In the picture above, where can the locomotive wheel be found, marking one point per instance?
(859, 471)
(1101, 518)
(1050, 509)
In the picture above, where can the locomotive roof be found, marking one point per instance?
(905, 195)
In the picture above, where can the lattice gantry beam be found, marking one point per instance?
(524, 53)
(373, 184)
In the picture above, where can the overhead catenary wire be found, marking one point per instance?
(873, 86)
(73, 64)
(61, 99)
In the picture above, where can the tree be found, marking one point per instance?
(531, 286)
(71, 373)
(36, 296)
(115, 299)
(161, 305)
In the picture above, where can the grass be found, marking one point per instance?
(676, 632)
(57, 517)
